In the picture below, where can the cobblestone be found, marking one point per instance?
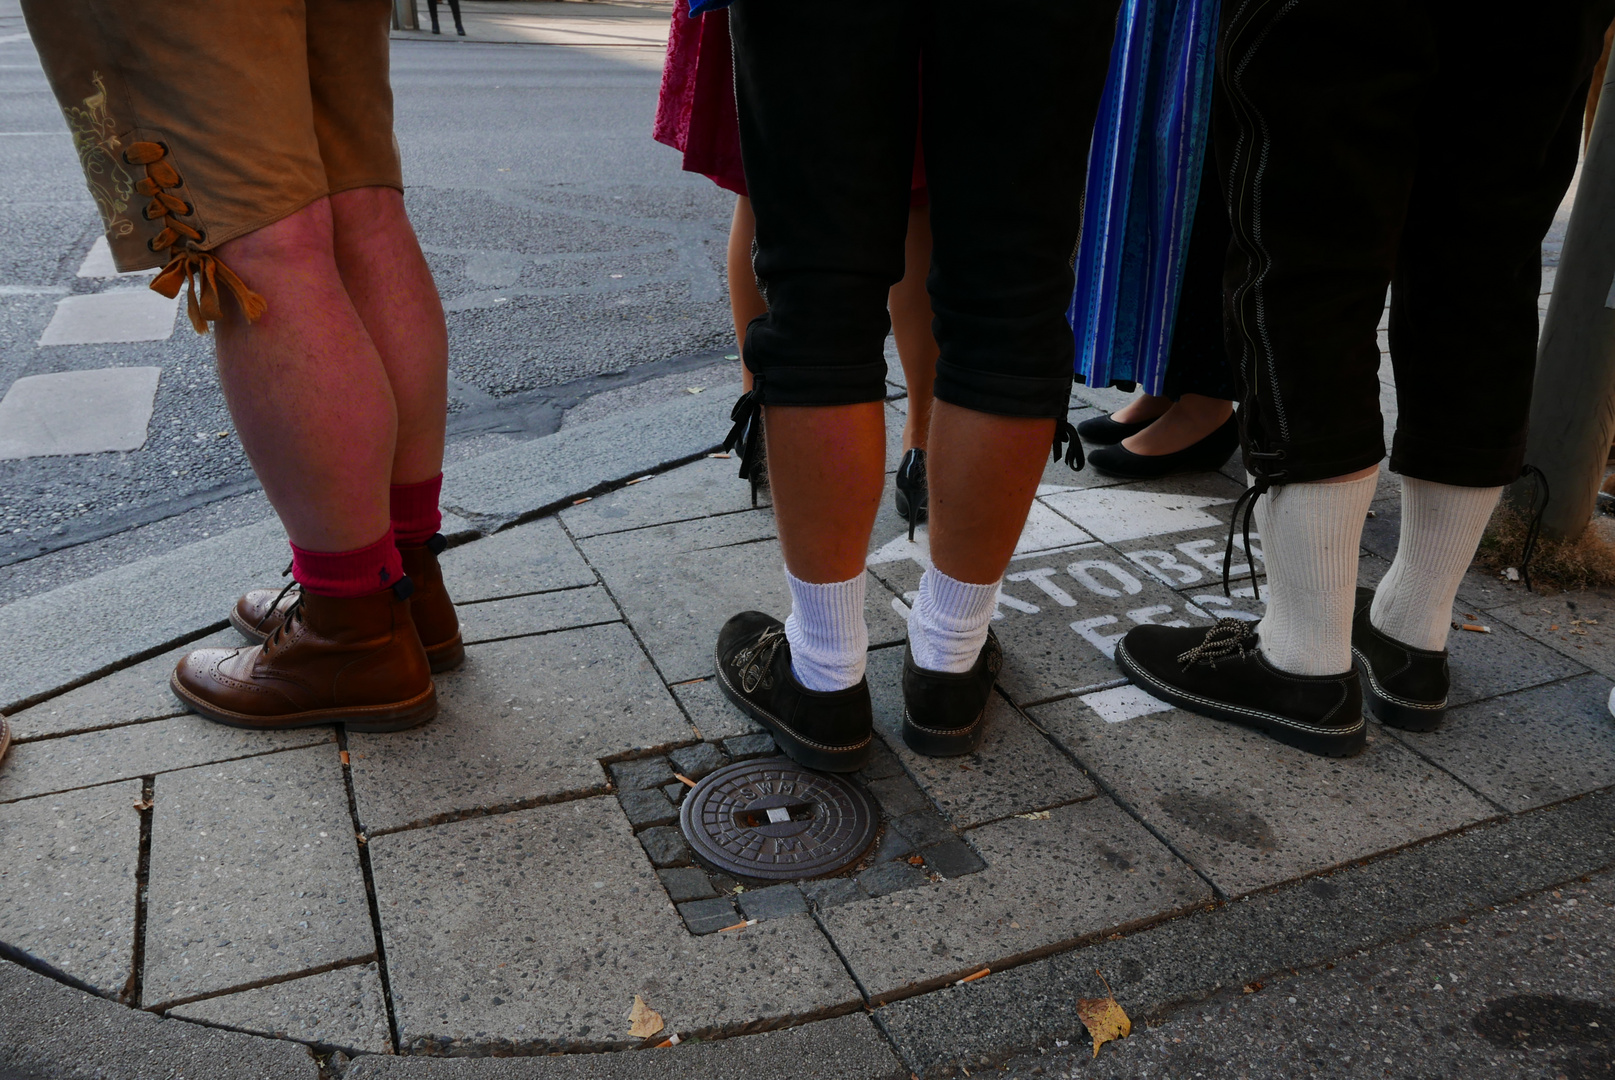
(774, 902)
(887, 878)
(698, 760)
(641, 773)
(708, 916)
(685, 883)
(665, 846)
(647, 808)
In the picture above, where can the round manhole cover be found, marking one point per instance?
(774, 820)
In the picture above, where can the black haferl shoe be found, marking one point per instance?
(830, 731)
(945, 713)
(1220, 673)
(1105, 431)
(1407, 687)
(913, 496)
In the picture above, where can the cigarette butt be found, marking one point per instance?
(637, 480)
(723, 456)
(1476, 628)
(982, 974)
(344, 756)
(739, 926)
(671, 1040)
(580, 502)
(684, 778)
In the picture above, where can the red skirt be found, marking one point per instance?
(695, 113)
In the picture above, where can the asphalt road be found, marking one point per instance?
(573, 257)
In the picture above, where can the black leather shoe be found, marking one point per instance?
(1103, 431)
(830, 731)
(1407, 687)
(1207, 455)
(913, 496)
(944, 712)
(1221, 673)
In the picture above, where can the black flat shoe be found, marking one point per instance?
(1207, 455)
(831, 732)
(944, 712)
(913, 495)
(1220, 673)
(1406, 687)
(1103, 431)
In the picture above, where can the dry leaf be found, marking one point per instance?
(643, 1021)
(143, 804)
(1103, 1018)
(1038, 815)
(1252, 987)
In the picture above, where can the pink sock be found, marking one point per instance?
(416, 518)
(347, 574)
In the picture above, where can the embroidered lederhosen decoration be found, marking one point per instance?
(200, 271)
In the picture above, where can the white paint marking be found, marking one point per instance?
(1046, 529)
(77, 412)
(1114, 515)
(98, 263)
(118, 315)
(1123, 703)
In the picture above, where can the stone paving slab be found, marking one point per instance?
(117, 315)
(1250, 812)
(1531, 748)
(53, 1032)
(527, 559)
(711, 713)
(1015, 769)
(120, 753)
(1083, 870)
(507, 484)
(60, 637)
(134, 694)
(541, 613)
(78, 412)
(254, 874)
(523, 720)
(843, 1048)
(341, 1009)
(701, 489)
(1579, 625)
(67, 882)
(536, 929)
(678, 584)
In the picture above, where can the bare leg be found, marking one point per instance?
(984, 471)
(1186, 422)
(1143, 408)
(745, 302)
(826, 466)
(306, 387)
(387, 279)
(910, 307)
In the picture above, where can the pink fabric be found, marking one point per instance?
(347, 574)
(695, 113)
(414, 510)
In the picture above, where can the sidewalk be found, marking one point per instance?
(552, 22)
(505, 880)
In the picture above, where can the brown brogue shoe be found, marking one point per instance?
(352, 661)
(431, 607)
(259, 612)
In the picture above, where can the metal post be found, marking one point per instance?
(1573, 403)
(405, 17)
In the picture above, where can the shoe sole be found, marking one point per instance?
(808, 754)
(444, 656)
(1391, 710)
(1346, 744)
(397, 716)
(934, 743)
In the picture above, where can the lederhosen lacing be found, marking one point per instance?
(200, 271)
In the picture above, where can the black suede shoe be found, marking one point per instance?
(826, 731)
(1207, 455)
(913, 496)
(945, 713)
(1221, 673)
(1103, 431)
(1407, 687)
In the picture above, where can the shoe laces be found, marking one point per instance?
(756, 661)
(1226, 638)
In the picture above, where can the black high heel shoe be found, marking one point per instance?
(913, 496)
(1103, 431)
(1207, 455)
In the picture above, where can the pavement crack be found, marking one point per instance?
(369, 888)
(135, 987)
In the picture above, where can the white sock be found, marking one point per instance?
(1441, 527)
(828, 636)
(948, 626)
(1310, 537)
